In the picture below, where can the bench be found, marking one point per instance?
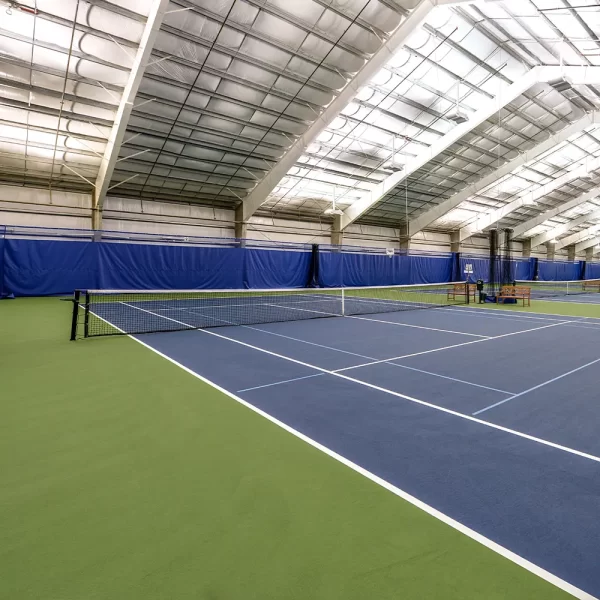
(460, 289)
(593, 285)
(514, 291)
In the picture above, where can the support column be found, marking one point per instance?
(455, 241)
(589, 254)
(241, 228)
(550, 250)
(337, 235)
(571, 252)
(405, 243)
(527, 248)
(96, 214)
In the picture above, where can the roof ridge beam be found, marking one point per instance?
(518, 88)
(489, 219)
(432, 215)
(115, 139)
(262, 191)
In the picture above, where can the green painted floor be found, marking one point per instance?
(124, 477)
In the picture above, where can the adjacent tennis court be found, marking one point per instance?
(485, 417)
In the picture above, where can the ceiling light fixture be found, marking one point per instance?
(456, 115)
(334, 210)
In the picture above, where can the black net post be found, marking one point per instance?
(86, 322)
(75, 316)
(313, 274)
(493, 272)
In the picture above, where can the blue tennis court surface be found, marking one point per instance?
(489, 416)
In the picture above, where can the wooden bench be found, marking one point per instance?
(460, 289)
(514, 291)
(592, 286)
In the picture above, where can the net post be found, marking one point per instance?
(75, 316)
(467, 292)
(343, 303)
(86, 326)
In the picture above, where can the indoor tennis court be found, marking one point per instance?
(436, 396)
(299, 299)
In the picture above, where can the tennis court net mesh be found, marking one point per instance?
(110, 312)
(555, 289)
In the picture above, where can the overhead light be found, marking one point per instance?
(529, 202)
(458, 117)
(586, 176)
(334, 211)
(560, 85)
(554, 241)
(394, 168)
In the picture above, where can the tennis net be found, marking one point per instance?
(554, 289)
(110, 312)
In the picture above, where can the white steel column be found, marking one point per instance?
(113, 146)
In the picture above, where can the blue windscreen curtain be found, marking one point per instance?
(557, 270)
(3, 292)
(35, 267)
(47, 267)
(337, 269)
(592, 270)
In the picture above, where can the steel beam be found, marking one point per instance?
(553, 141)
(113, 145)
(591, 243)
(552, 234)
(396, 41)
(523, 228)
(578, 237)
(486, 220)
(535, 76)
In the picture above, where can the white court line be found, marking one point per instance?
(517, 313)
(391, 392)
(537, 387)
(496, 337)
(485, 387)
(498, 314)
(380, 321)
(457, 525)
(259, 387)
(294, 339)
(417, 326)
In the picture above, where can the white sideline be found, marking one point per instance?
(474, 535)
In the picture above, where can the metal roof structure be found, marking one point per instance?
(441, 115)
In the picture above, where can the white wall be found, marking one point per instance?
(45, 208)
